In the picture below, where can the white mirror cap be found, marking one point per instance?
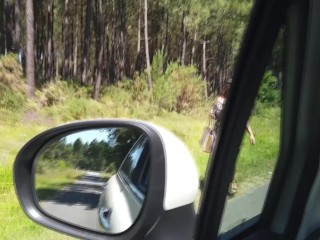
(181, 177)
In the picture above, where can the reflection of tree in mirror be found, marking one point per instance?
(121, 140)
(98, 154)
(55, 157)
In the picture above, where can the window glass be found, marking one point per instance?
(135, 163)
(259, 149)
(143, 176)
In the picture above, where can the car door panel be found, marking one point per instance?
(117, 194)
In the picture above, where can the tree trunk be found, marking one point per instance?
(30, 48)
(85, 59)
(2, 28)
(204, 68)
(123, 38)
(17, 10)
(139, 29)
(167, 36)
(138, 57)
(184, 39)
(50, 51)
(147, 44)
(38, 36)
(193, 47)
(106, 55)
(112, 67)
(8, 6)
(43, 40)
(75, 54)
(75, 51)
(57, 63)
(101, 41)
(66, 41)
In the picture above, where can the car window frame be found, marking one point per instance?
(140, 195)
(296, 37)
(145, 169)
(266, 20)
(294, 176)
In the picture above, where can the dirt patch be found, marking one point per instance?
(34, 117)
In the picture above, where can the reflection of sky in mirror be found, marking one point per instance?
(136, 155)
(88, 136)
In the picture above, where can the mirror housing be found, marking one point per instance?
(168, 211)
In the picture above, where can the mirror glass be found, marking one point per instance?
(95, 178)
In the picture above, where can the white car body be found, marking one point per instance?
(121, 201)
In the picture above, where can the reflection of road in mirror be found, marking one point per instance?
(78, 202)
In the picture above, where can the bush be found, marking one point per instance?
(45, 165)
(52, 93)
(12, 84)
(163, 94)
(128, 98)
(185, 87)
(258, 108)
(59, 92)
(178, 89)
(10, 63)
(269, 92)
(158, 62)
(11, 100)
(116, 100)
(137, 88)
(76, 109)
(11, 74)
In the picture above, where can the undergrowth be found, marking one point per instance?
(176, 103)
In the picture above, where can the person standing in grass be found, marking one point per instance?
(216, 113)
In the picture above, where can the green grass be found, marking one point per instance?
(59, 102)
(254, 164)
(14, 223)
(189, 129)
(53, 180)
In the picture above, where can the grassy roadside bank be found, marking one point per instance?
(61, 101)
(254, 164)
(15, 224)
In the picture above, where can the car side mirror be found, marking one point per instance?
(114, 179)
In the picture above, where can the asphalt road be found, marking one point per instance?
(243, 208)
(77, 203)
